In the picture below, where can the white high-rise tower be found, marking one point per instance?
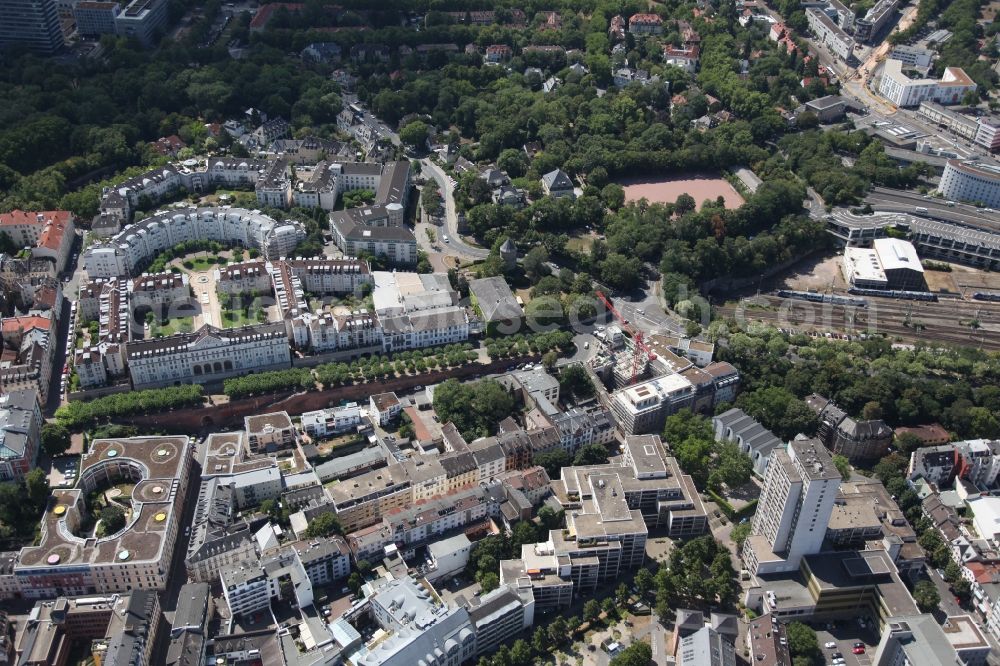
(794, 509)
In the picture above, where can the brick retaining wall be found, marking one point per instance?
(231, 414)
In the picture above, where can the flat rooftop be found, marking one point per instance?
(156, 465)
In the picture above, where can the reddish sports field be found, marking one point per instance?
(666, 190)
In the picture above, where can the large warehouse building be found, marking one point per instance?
(890, 263)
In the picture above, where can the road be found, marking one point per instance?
(70, 278)
(900, 201)
(178, 572)
(657, 640)
(586, 350)
(646, 312)
(456, 245)
(948, 607)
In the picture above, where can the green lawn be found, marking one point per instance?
(201, 263)
(234, 318)
(176, 325)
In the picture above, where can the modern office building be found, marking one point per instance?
(95, 17)
(869, 27)
(829, 33)
(609, 510)
(644, 407)
(919, 639)
(143, 20)
(972, 181)
(652, 483)
(983, 130)
(912, 56)
(417, 310)
(30, 25)
(499, 616)
(901, 90)
(794, 508)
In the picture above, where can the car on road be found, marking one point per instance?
(586, 345)
(829, 645)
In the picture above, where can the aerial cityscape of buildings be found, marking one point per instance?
(376, 349)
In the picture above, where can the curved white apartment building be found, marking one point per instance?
(971, 181)
(134, 246)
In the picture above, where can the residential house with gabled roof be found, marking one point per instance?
(557, 184)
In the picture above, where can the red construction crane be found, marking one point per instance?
(639, 348)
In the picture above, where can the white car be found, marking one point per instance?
(829, 645)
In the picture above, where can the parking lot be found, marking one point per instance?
(63, 471)
(448, 588)
(845, 633)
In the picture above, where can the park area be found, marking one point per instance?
(667, 189)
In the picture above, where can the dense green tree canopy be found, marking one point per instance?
(475, 408)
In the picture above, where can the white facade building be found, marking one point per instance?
(793, 513)
(137, 244)
(325, 422)
(971, 181)
(209, 354)
(901, 90)
(418, 310)
(829, 33)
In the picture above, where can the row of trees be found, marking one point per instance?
(523, 344)
(362, 369)
(77, 414)
(259, 383)
(404, 363)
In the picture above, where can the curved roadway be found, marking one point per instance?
(455, 246)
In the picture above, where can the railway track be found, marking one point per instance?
(930, 322)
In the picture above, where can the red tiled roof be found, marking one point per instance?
(263, 14)
(646, 18)
(31, 217)
(45, 296)
(670, 51)
(52, 235)
(15, 324)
